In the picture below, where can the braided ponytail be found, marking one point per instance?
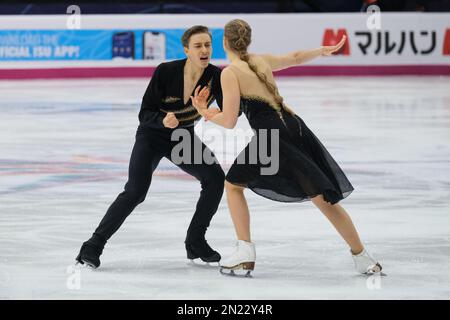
(238, 33)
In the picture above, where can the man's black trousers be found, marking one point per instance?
(150, 147)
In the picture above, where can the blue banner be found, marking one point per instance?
(154, 44)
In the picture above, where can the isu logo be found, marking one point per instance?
(446, 49)
(331, 38)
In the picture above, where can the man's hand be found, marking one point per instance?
(170, 121)
(329, 50)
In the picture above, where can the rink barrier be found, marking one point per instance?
(113, 46)
(145, 72)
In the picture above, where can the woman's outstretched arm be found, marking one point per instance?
(231, 101)
(279, 62)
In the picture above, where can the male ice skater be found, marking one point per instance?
(166, 106)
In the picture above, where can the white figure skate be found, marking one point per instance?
(241, 262)
(365, 264)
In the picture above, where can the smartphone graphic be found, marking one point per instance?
(154, 45)
(123, 45)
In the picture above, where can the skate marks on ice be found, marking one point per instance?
(238, 271)
(64, 160)
(312, 266)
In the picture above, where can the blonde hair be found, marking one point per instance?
(239, 36)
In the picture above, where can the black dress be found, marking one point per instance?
(306, 168)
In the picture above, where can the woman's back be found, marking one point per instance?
(250, 85)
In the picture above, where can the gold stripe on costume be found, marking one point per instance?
(192, 117)
(184, 110)
(261, 99)
(211, 98)
(170, 99)
(277, 108)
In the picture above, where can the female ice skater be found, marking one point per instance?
(166, 106)
(306, 169)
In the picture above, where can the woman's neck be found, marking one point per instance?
(233, 57)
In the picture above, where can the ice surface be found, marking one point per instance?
(64, 150)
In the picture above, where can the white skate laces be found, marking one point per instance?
(241, 262)
(365, 264)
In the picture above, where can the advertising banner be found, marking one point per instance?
(132, 45)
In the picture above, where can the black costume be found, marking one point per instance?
(306, 169)
(153, 142)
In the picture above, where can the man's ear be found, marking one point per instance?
(185, 50)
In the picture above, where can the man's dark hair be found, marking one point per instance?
(191, 31)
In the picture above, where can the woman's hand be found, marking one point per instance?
(210, 113)
(329, 50)
(200, 100)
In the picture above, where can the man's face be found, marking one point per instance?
(199, 50)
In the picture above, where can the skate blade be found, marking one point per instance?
(241, 270)
(379, 272)
(85, 265)
(202, 264)
(239, 273)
